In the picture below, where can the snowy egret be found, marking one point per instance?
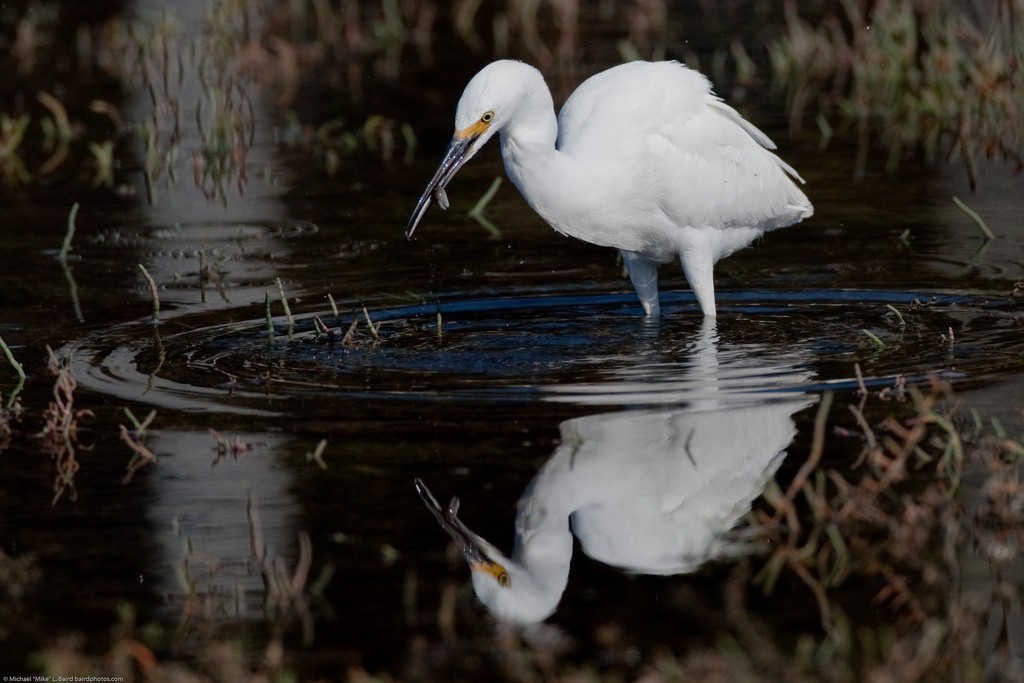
(648, 491)
(643, 157)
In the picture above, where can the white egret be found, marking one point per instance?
(643, 157)
(648, 491)
(652, 492)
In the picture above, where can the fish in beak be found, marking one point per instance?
(466, 540)
(476, 550)
(458, 153)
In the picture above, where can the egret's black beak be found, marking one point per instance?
(467, 541)
(459, 152)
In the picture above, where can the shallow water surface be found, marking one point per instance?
(491, 364)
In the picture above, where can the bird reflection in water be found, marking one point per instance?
(649, 491)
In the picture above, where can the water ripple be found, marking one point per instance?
(581, 348)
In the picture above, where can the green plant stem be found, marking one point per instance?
(10, 359)
(270, 319)
(69, 235)
(284, 302)
(973, 215)
(477, 212)
(153, 292)
(369, 323)
(874, 338)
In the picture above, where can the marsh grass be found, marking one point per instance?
(10, 416)
(212, 273)
(252, 49)
(135, 439)
(978, 220)
(317, 454)
(293, 600)
(11, 360)
(879, 344)
(334, 305)
(322, 330)
(62, 258)
(936, 79)
(895, 522)
(57, 133)
(12, 133)
(103, 159)
(154, 293)
(477, 212)
(350, 334)
(284, 303)
(362, 313)
(225, 447)
(373, 327)
(289, 595)
(60, 429)
(268, 319)
(917, 76)
(69, 234)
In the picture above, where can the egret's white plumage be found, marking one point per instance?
(643, 157)
(649, 491)
(652, 492)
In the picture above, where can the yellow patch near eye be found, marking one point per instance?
(472, 130)
(495, 570)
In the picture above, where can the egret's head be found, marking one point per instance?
(491, 98)
(489, 101)
(507, 590)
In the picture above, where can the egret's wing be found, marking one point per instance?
(609, 114)
(717, 172)
(667, 511)
(717, 104)
(661, 130)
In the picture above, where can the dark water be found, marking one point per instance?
(490, 353)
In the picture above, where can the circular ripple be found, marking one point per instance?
(207, 232)
(588, 349)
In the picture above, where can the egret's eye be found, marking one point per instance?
(504, 580)
(487, 117)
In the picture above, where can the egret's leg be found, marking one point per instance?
(643, 273)
(698, 267)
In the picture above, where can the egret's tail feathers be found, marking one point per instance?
(805, 210)
(799, 205)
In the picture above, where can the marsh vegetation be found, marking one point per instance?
(223, 367)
